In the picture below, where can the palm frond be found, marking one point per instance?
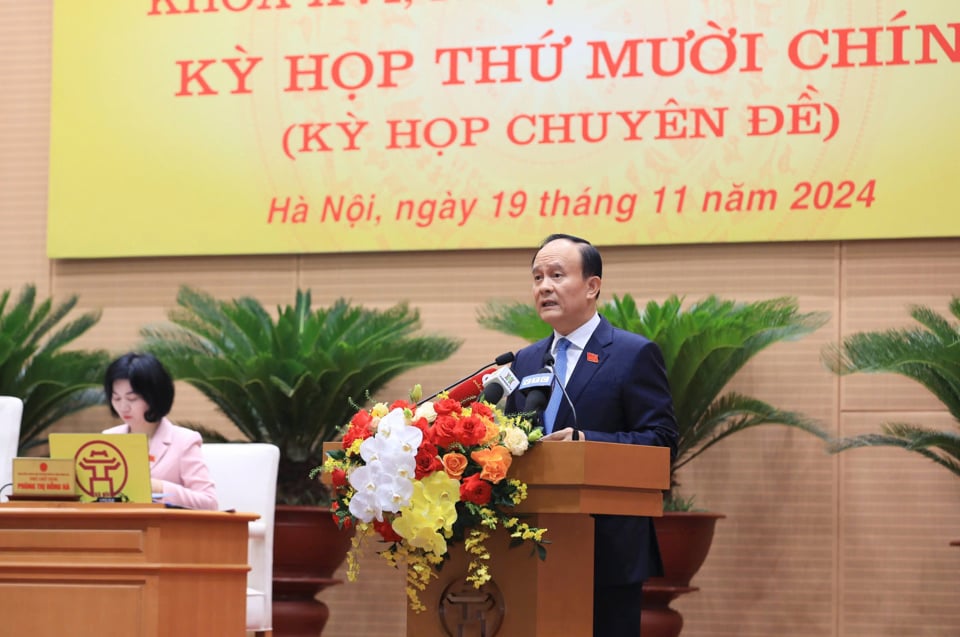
(704, 346)
(942, 447)
(929, 355)
(35, 366)
(732, 413)
(515, 319)
(290, 379)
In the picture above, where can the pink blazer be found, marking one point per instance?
(176, 460)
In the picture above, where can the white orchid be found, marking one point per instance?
(385, 482)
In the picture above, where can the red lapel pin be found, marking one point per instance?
(592, 358)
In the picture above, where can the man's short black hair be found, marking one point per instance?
(589, 255)
(148, 378)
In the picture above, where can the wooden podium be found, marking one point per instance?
(567, 481)
(121, 570)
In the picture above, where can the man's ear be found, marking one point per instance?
(593, 287)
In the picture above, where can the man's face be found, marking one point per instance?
(562, 296)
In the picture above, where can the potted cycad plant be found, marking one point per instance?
(36, 367)
(928, 354)
(704, 346)
(292, 380)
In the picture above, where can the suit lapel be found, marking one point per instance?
(585, 370)
(539, 353)
(161, 440)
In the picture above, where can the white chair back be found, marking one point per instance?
(11, 411)
(245, 475)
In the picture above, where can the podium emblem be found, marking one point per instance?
(467, 611)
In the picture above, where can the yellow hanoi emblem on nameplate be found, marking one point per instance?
(101, 470)
(108, 467)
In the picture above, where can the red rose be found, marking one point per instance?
(385, 529)
(403, 404)
(444, 431)
(427, 460)
(360, 428)
(339, 477)
(482, 410)
(472, 430)
(447, 406)
(423, 425)
(344, 522)
(361, 419)
(474, 489)
(355, 433)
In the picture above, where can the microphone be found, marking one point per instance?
(548, 361)
(504, 359)
(499, 384)
(469, 390)
(536, 389)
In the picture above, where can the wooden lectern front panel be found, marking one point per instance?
(93, 570)
(47, 608)
(541, 598)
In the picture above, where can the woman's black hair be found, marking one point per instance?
(148, 378)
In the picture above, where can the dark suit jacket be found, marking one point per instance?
(620, 391)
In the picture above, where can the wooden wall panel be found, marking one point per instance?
(899, 512)
(881, 279)
(813, 544)
(774, 484)
(373, 606)
(25, 38)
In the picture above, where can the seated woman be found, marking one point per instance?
(141, 392)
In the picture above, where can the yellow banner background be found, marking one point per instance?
(175, 130)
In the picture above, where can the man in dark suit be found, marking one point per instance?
(618, 385)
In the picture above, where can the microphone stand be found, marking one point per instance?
(503, 359)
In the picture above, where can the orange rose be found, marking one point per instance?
(494, 462)
(454, 464)
(493, 431)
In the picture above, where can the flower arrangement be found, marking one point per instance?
(423, 478)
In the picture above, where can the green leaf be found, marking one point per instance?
(36, 367)
(288, 379)
(929, 355)
(704, 346)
